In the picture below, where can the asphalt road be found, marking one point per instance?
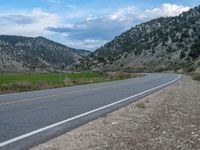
(30, 118)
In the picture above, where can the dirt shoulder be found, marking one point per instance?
(168, 119)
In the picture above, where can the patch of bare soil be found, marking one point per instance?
(168, 119)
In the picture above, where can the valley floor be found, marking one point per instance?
(168, 119)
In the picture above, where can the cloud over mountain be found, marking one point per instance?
(27, 23)
(106, 27)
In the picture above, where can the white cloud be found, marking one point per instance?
(72, 6)
(165, 10)
(25, 23)
(132, 13)
(87, 44)
(123, 14)
(94, 29)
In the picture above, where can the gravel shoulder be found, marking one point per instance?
(168, 119)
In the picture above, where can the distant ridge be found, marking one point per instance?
(18, 53)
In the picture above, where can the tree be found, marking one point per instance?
(195, 50)
(182, 54)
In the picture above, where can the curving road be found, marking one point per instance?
(30, 118)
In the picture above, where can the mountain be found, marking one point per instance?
(82, 52)
(160, 44)
(19, 53)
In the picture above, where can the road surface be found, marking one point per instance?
(30, 118)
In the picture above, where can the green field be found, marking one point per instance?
(32, 77)
(17, 82)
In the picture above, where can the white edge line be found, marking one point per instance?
(81, 115)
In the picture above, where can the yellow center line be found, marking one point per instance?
(50, 96)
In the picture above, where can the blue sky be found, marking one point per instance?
(80, 23)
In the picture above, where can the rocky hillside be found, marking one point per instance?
(25, 53)
(160, 44)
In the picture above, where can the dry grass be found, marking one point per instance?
(20, 86)
(140, 105)
(95, 78)
(123, 75)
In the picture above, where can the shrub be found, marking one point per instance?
(25, 85)
(182, 55)
(189, 69)
(140, 105)
(4, 87)
(195, 50)
(121, 75)
(20, 85)
(42, 85)
(68, 81)
(196, 76)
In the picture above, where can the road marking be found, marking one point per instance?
(50, 96)
(82, 115)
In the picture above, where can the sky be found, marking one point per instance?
(83, 24)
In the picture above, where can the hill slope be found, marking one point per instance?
(162, 43)
(25, 53)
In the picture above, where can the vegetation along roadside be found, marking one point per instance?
(18, 82)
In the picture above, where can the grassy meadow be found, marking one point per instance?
(18, 82)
